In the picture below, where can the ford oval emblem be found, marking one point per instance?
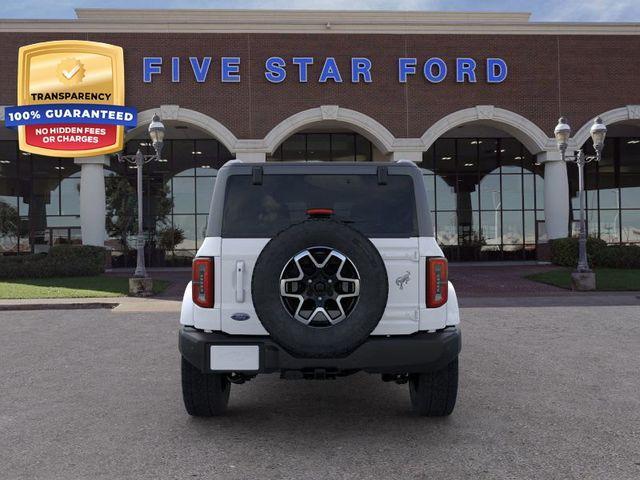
(240, 317)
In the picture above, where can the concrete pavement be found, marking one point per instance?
(173, 304)
(546, 392)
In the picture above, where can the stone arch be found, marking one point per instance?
(197, 119)
(373, 130)
(527, 132)
(622, 114)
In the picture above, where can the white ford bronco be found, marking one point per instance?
(319, 270)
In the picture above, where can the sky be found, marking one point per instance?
(542, 10)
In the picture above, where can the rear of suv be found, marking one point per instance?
(319, 270)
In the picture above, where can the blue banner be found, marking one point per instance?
(70, 113)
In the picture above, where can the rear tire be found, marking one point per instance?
(433, 394)
(305, 340)
(204, 394)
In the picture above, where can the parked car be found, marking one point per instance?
(317, 271)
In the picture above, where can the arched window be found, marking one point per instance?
(486, 196)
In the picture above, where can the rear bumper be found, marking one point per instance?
(420, 352)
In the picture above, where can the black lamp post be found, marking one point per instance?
(156, 133)
(598, 132)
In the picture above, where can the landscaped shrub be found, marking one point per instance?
(564, 252)
(618, 256)
(61, 261)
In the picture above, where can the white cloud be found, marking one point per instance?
(596, 11)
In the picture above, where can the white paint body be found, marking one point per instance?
(406, 312)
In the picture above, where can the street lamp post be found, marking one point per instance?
(562, 133)
(156, 133)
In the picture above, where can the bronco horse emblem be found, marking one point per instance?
(402, 280)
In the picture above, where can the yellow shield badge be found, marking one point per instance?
(71, 99)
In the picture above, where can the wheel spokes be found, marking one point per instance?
(319, 285)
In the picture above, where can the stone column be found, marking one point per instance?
(556, 194)
(251, 156)
(92, 199)
(407, 155)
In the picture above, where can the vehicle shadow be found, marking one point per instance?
(358, 404)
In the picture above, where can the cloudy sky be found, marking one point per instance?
(542, 10)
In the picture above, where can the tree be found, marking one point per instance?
(169, 237)
(9, 221)
(122, 208)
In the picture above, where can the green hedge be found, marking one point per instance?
(61, 261)
(564, 252)
(618, 256)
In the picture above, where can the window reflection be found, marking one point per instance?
(530, 228)
(483, 188)
(492, 227)
(326, 147)
(177, 193)
(612, 190)
(511, 155)
(512, 230)
(512, 192)
(204, 192)
(487, 197)
(445, 195)
(184, 195)
(447, 228)
(490, 197)
(630, 190)
(70, 195)
(529, 191)
(610, 226)
(630, 222)
(488, 160)
(318, 147)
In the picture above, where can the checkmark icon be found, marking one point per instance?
(71, 73)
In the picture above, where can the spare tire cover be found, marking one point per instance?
(319, 288)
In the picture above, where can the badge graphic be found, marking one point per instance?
(70, 99)
(70, 71)
(402, 280)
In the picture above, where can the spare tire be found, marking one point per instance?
(319, 288)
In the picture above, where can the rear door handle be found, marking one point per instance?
(239, 281)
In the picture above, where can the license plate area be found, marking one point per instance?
(234, 358)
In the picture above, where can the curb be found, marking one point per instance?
(57, 306)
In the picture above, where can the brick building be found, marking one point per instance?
(472, 98)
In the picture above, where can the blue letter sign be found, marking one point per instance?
(323, 70)
(330, 71)
(441, 67)
(406, 66)
(303, 64)
(496, 70)
(275, 69)
(200, 71)
(360, 67)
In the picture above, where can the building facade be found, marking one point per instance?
(472, 98)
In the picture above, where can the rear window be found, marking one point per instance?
(254, 211)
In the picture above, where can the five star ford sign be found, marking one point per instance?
(70, 99)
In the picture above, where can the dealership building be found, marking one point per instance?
(471, 98)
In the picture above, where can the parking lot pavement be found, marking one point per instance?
(545, 393)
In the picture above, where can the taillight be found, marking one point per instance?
(320, 212)
(202, 282)
(437, 282)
